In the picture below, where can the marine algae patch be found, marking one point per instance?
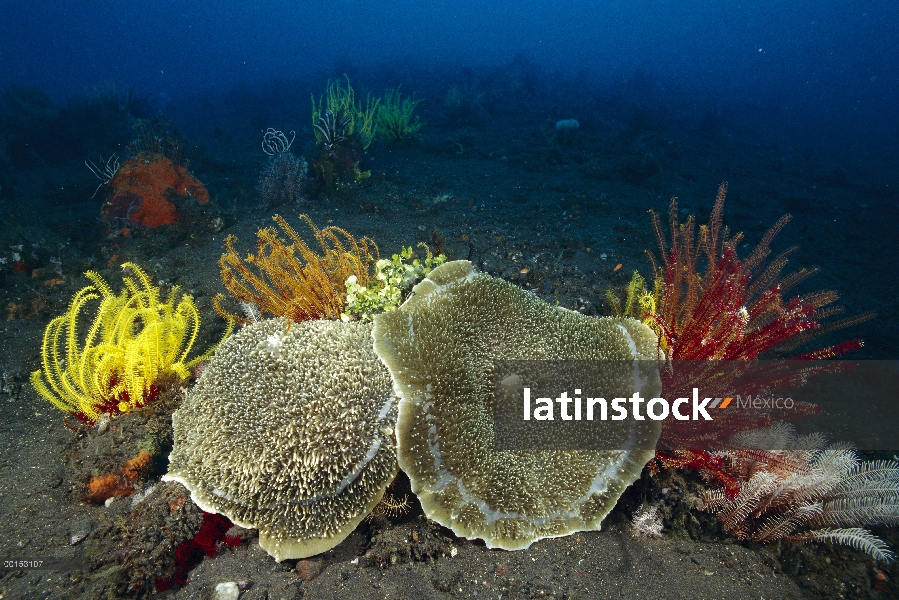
(440, 346)
(289, 431)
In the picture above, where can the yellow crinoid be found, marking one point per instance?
(640, 302)
(135, 338)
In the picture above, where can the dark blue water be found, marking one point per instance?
(830, 66)
(796, 104)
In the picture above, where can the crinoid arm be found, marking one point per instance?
(856, 537)
(61, 380)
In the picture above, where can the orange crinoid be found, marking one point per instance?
(291, 280)
(143, 189)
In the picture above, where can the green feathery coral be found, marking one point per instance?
(396, 120)
(135, 338)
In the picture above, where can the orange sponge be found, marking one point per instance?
(143, 189)
(137, 465)
(102, 487)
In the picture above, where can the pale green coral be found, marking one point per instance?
(440, 347)
(396, 118)
(391, 285)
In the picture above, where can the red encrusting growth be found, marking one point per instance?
(207, 542)
(143, 188)
(110, 406)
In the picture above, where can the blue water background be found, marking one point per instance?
(829, 66)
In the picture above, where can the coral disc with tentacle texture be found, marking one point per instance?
(439, 347)
(289, 431)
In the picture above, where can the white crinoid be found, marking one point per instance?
(798, 488)
(646, 522)
(251, 311)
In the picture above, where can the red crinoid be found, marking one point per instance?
(734, 308)
(711, 306)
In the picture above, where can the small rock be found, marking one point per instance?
(103, 423)
(79, 531)
(567, 125)
(227, 591)
(141, 495)
(502, 569)
(309, 569)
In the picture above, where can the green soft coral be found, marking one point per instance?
(394, 279)
(396, 120)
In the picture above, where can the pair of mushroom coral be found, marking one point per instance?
(300, 441)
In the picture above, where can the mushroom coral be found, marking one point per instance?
(290, 431)
(440, 346)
